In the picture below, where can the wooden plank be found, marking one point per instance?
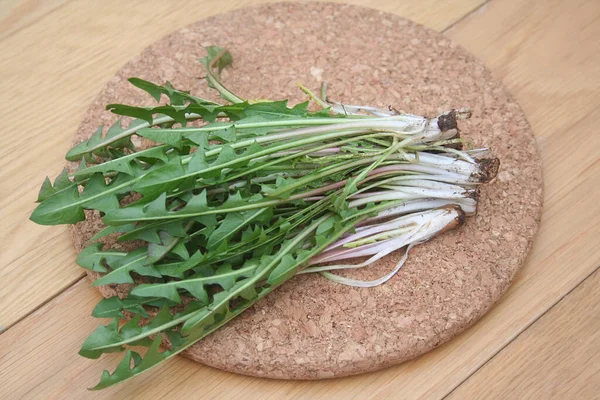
(8, 7)
(545, 52)
(51, 69)
(17, 14)
(556, 358)
(565, 251)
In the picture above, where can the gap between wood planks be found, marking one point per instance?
(525, 328)
(72, 283)
(475, 10)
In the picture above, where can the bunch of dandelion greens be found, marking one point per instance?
(254, 195)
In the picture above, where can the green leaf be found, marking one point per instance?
(124, 163)
(57, 209)
(168, 243)
(132, 329)
(153, 89)
(115, 132)
(202, 321)
(232, 224)
(113, 307)
(171, 175)
(180, 250)
(284, 270)
(146, 114)
(176, 97)
(121, 269)
(93, 193)
(179, 268)
(162, 136)
(112, 229)
(93, 258)
(218, 58)
(225, 277)
(101, 336)
(117, 136)
(61, 183)
(327, 225)
(147, 232)
(224, 58)
(109, 338)
(161, 179)
(66, 206)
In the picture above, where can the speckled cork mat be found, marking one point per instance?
(311, 328)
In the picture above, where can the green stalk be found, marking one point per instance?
(248, 158)
(264, 124)
(299, 154)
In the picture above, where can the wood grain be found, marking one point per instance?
(58, 57)
(556, 358)
(17, 14)
(545, 52)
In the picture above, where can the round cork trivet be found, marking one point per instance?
(311, 328)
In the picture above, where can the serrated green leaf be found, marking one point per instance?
(109, 338)
(176, 97)
(115, 133)
(66, 206)
(232, 224)
(124, 163)
(113, 307)
(52, 210)
(94, 188)
(119, 137)
(218, 58)
(121, 269)
(162, 136)
(103, 335)
(132, 329)
(181, 250)
(93, 257)
(168, 243)
(179, 268)
(225, 277)
(161, 179)
(109, 230)
(61, 183)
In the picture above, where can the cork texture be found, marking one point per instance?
(311, 328)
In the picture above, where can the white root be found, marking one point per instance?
(418, 228)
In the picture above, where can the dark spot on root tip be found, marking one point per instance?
(461, 217)
(489, 168)
(458, 220)
(474, 194)
(447, 121)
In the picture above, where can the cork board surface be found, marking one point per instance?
(311, 328)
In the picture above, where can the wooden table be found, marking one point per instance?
(542, 340)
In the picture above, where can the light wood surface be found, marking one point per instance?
(56, 55)
(526, 369)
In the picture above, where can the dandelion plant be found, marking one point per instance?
(249, 195)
